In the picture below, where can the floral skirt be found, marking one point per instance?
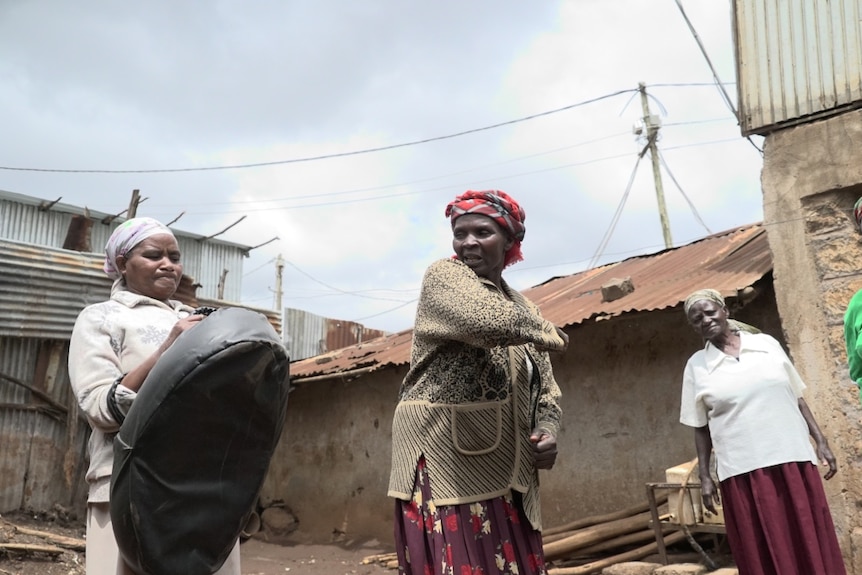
(490, 537)
(778, 522)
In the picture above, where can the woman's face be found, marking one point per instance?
(482, 244)
(152, 268)
(708, 318)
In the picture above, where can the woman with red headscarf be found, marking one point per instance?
(478, 412)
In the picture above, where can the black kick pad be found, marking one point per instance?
(192, 454)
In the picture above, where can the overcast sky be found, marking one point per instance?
(178, 84)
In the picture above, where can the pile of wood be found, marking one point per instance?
(388, 560)
(50, 544)
(590, 544)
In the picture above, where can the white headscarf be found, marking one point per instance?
(127, 235)
(715, 297)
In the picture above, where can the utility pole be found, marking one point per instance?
(651, 125)
(279, 269)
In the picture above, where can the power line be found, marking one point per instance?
(325, 156)
(459, 186)
(339, 290)
(494, 179)
(707, 143)
(261, 266)
(425, 191)
(693, 122)
(359, 319)
(686, 84)
(422, 180)
(700, 45)
(718, 82)
(267, 205)
(684, 195)
(610, 231)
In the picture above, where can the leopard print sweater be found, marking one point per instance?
(469, 403)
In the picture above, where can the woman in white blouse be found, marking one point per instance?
(743, 397)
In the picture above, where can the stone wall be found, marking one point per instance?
(812, 176)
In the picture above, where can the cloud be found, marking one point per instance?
(100, 85)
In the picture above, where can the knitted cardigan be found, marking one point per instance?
(468, 404)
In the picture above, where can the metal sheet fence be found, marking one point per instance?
(42, 438)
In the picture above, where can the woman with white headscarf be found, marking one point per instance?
(114, 346)
(743, 397)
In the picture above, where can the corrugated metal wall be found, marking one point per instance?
(42, 439)
(797, 60)
(304, 334)
(23, 220)
(307, 334)
(43, 289)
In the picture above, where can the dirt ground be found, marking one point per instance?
(258, 557)
(51, 544)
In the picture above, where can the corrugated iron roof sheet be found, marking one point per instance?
(384, 351)
(728, 261)
(308, 335)
(21, 214)
(796, 61)
(39, 222)
(43, 289)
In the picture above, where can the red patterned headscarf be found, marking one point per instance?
(499, 207)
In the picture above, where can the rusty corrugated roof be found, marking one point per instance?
(374, 354)
(728, 261)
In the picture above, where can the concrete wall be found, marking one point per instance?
(812, 175)
(621, 383)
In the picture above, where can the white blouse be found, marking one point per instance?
(751, 405)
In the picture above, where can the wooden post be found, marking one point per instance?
(221, 282)
(133, 204)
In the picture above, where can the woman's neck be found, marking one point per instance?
(727, 341)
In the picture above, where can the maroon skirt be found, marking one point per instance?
(778, 522)
(490, 537)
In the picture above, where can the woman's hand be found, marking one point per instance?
(703, 445)
(179, 327)
(544, 448)
(135, 378)
(825, 456)
(562, 335)
(709, 494)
